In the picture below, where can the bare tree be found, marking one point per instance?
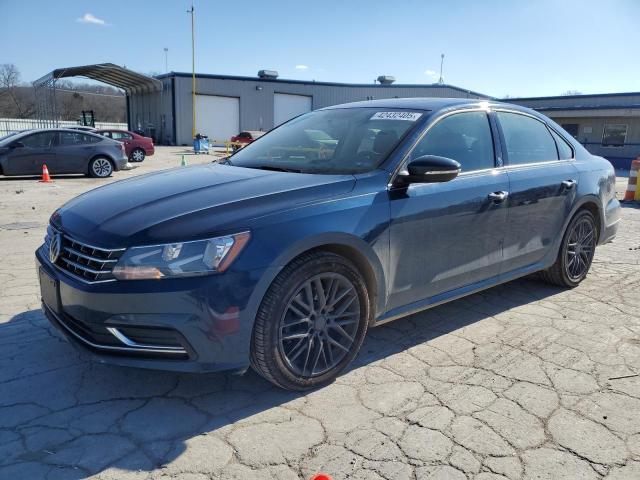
(568, 93)
(10, 85)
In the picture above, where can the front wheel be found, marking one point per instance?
(576, 252)
(137, 155)
(100, 167)
(311, 323)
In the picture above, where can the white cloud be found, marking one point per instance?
(90, 18)
(301, 67)
(431, 74)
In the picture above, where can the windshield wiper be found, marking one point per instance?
(277, 169)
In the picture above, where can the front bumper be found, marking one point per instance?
(193, 324)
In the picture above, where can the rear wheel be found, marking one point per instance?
(576, 252)
(100, 167)
(311, 323)
(137, 155)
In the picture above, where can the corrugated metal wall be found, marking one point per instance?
(257, 100)
(579, 101)
(151, 112)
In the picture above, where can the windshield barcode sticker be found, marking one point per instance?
(410, 116)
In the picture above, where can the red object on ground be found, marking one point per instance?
(46, 178)
(130, 140)
(321, 476)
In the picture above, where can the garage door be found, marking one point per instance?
(217, 117)
(287, 106)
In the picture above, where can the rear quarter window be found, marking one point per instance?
(565, 152)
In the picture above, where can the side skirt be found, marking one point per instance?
(451, 295)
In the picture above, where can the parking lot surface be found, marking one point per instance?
(524, 380)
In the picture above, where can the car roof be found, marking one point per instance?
(69, 130)
(428, 104)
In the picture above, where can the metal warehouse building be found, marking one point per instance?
(606, 124)
(226, 105)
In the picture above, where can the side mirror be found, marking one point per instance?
(431, 169)
(17, 145)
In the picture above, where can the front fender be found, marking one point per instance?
(335, 241)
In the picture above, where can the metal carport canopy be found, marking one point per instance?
(109, 73)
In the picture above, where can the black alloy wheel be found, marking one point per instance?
(311, 323)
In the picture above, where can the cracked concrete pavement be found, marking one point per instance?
(523, 381)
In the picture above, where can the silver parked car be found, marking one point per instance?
(62, 150)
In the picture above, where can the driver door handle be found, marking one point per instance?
(569, 184)
(498, 197)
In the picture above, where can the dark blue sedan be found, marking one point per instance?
(339, 220)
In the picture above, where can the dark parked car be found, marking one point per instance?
(136, 146)
(284, 256)
(62, 150)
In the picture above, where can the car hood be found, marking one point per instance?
(189, 203)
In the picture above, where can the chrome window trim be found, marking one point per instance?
(536, 164)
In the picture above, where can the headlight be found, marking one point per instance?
(186, 259)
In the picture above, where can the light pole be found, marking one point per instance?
(441, 62)
(193, 70)
(166, 59)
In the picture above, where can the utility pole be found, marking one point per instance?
(193, 70)
(166, 60)
(441, 63)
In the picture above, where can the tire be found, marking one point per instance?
(576, 252)
(293, 344)
(100, 167)
(137, 155)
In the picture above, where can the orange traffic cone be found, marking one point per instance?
(633, 192)
(46, 178)
(321, 476)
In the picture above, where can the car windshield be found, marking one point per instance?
(6, 139)
(335, 141)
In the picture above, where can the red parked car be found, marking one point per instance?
(136, 146)
(246, 137)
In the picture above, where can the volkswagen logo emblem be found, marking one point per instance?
(54, 247)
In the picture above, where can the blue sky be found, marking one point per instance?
(497, 47)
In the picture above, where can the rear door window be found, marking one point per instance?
(528, 140)
(121, 136)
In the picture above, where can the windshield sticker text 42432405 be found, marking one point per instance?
(410, 116)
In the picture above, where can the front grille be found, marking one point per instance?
(85, 262)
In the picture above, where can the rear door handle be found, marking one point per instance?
(569, 184)
(498, 197)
